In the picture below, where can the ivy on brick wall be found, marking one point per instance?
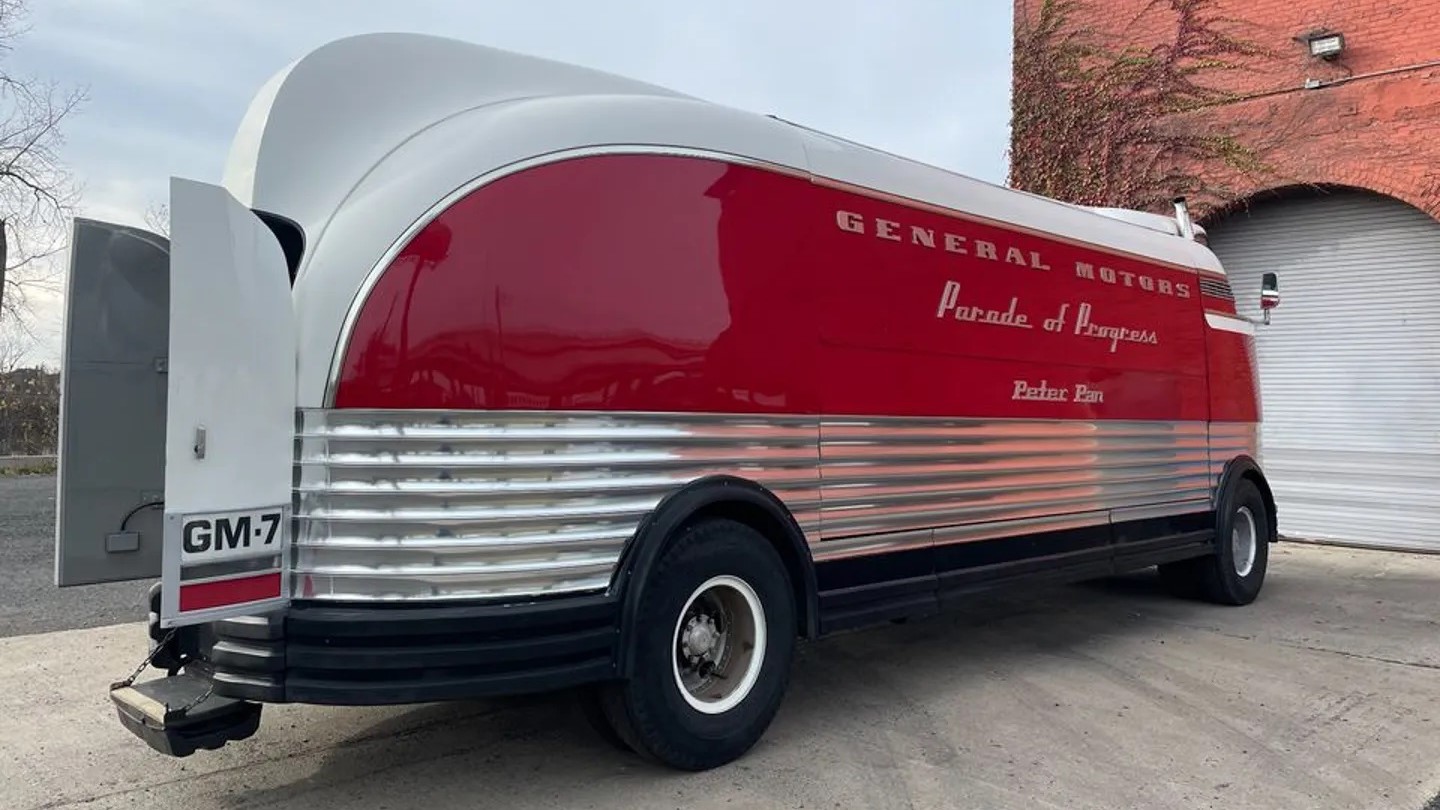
(1098, 121)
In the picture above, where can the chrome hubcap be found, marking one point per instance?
(1244, 541)
(701, 639)
(719, 644)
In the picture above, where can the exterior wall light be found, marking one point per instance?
(1325, 45)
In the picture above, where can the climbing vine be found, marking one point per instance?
(1101, 122)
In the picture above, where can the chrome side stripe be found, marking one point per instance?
(438, 505)
(885, 543)
(867, 545)
(1229, 323)
(432, 505)
(1228, 440)
(993, 531)
(892, 475)
(1160, 510)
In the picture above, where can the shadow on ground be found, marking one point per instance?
(849, 693)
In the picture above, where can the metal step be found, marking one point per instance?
(177, 715)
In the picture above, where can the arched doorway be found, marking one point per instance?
(1350, 366)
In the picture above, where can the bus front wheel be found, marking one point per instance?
(713, 649)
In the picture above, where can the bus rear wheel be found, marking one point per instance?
(712, 650)
(1233, 574)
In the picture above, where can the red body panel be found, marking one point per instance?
(1231, 366)
(664, 283)
(1233, 383)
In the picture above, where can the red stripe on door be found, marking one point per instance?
(204, 595)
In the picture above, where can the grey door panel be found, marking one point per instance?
(112, 406)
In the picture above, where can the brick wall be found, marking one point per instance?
(1375, 124)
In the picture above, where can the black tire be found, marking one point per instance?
(1216, 577)
(650, 711)
(1182, 579)
(590, 700)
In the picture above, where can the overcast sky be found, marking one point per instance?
(169, 79)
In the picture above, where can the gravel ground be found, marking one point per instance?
(29, 600)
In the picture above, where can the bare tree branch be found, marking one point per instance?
(29, 396)
(157, 219)
(16, 340)
(37, 194)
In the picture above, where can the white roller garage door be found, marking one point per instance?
(1350, 365)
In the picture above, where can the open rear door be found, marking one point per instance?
(178, 410)
(112, 405)
(230, 426)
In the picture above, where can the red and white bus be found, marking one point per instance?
(481, 374)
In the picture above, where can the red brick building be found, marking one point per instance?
(1370, 123)
(1350, 365)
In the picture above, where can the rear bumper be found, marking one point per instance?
(363, 654)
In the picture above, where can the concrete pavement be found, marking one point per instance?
(1323, 694)
(29, 600)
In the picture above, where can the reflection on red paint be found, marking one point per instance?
(667, 283)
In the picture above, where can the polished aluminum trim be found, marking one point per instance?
(867, 545)
(885, 543)
(248, 682)
(446, 505)
(1184, 223)
(1217, 288)
(255, 653)
(1229, 323)
(1161, 510)
(1227, 441)
(1017, 528)
(435, 505)
(362, 294)
(899, 474)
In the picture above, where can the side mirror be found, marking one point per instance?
(1269, 294)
